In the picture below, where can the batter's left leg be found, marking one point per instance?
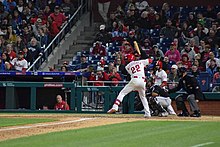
(128, 88)
(141, 92)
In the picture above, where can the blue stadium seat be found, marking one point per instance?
(164, 49)
(94, 62)
(200, 9)
(165, 42)
(94, 57)
(111, 58)
(204, 81)
(155, 32)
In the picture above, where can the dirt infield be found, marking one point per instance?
(76, 121)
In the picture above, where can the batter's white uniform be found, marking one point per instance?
(160, 76)
(137, 82)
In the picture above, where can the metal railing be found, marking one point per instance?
(82, 9)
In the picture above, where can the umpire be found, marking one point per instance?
(190, 85)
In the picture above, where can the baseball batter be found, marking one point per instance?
(137, 82)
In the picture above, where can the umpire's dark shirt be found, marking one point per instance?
(189, 84)
(160, 91)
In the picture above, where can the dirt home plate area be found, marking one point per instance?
(77, 121)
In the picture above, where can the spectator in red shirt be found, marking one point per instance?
(114, 76)
(58, 17)
(98, 49)
(10, 52)
(185, 61)
(52, 27)
(100, 76)
(61, 105)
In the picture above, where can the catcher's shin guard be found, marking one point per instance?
(155, 105)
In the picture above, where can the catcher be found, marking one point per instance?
(158, 99)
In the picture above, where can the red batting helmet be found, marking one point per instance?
(160, 64)
(129, 57)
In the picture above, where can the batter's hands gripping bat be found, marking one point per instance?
(136, 47)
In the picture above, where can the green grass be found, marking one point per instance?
(4, 122)
(132, 134)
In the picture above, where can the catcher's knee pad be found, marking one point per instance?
(156, 105)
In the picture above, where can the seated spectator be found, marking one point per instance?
(114, 76)
(195, 71)
(9, 5)
(146, 46)
(216, 77)
(168, 31)
(173, 77)
(158, 22)
(26, 35)
(61, 104)
(19, 45)
(185, 61)
(119, 66)
(27, 55)
(103, 36)
(98, 49)
(198, 64)
(205, 55)
(68, 7)
(212, 57)
(131, 37)
(189, 51)
(126, 48)
(10, 51)
(173, 54)
(157, 53)
(120, 32)
(111, 65)
(11, 36)
(167, 64)
(34, 48)
(212, 69)
(194, 44)
(19, 63)
(52, 27)
(42, 37)
(2, 65)
(5, 59)
(64, 69)
(38, 24)
(200, 31)
(212, 39)
(58, 17)
(83, 65)
(100, 76)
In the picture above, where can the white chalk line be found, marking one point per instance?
(44, 125)
(203, 144)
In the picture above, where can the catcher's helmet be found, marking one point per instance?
(129, 57)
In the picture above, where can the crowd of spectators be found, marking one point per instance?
(27, 26)
(180, 36)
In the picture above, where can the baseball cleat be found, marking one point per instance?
(163, 114)
(147, 116)
(111, 111)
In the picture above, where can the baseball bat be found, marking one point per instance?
(137, 47)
